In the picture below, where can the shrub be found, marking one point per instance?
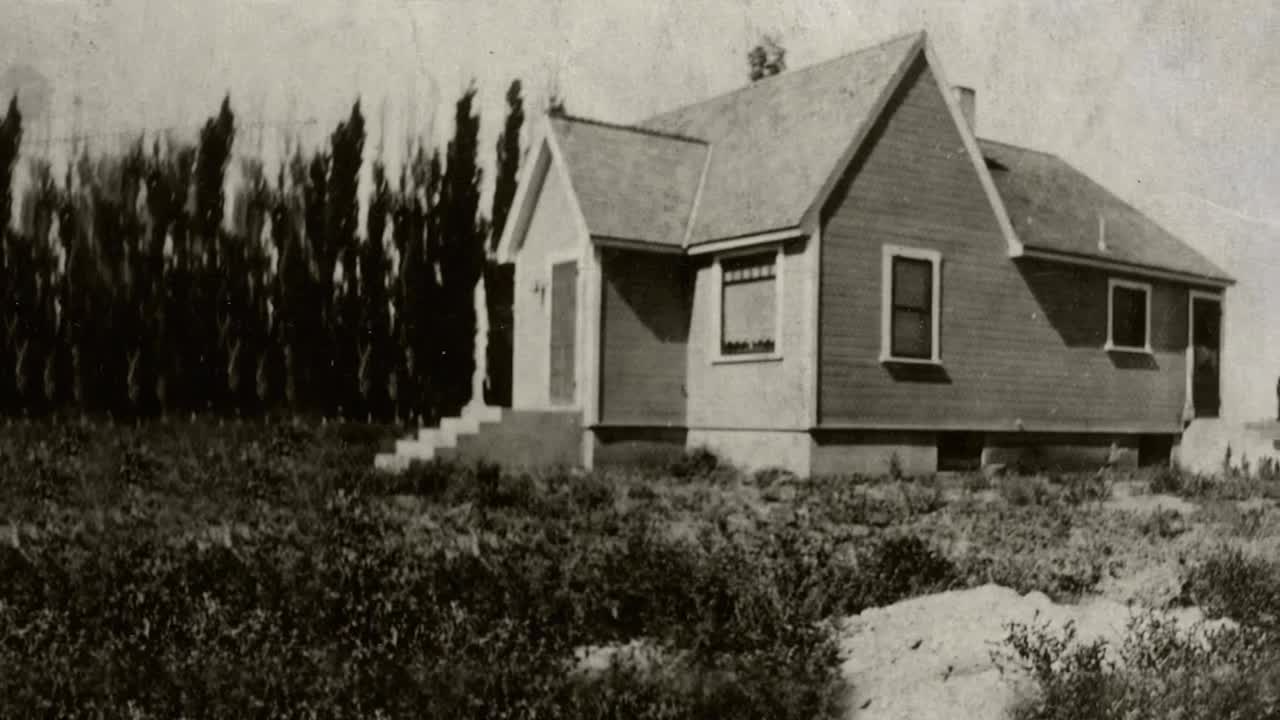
(1168, 479)
(695, 464)
(903, 566)
(1164, 523)
(259, 571)
(1229, 583)
(1158, 671)
(1021, 491)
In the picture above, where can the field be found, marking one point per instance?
(203, 569)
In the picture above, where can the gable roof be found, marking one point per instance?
(776, 142)
(756, 163)
(1057, 209)
(632, 184)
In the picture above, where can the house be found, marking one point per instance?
(828, 271)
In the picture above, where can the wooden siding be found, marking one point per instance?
(1021, 341)
(645, 334)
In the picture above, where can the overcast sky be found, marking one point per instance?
(1173, 103)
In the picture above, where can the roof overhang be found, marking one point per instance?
(633, 244)
(1121, 266)
(744, 241)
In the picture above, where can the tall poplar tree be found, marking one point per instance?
(343, 217)
(462, 256)
(499, 279)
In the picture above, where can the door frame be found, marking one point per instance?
(552, 260)
(1192, 297)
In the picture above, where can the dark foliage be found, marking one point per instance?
(134, 287)
(262, 570)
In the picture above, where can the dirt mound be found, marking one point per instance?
(931, 657)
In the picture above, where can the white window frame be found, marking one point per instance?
(886, 304)
(1111, 345)
(717, 302)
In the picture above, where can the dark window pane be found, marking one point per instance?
(1128, 317)
(911, 336)
(749, 267)
(911, 283)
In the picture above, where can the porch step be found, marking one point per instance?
(512, 438)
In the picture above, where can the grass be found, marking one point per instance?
(206, 570)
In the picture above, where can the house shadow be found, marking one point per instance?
(657, 290)
(916, 372)
(1074, 301)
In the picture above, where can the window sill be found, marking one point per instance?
(889, 360)
(752, 358)
(1109, 347)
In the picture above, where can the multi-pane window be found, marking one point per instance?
(912, 319)
(910, 313)
(1129, 315)
(749, 304)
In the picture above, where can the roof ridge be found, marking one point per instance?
(631, 128)
(766, 81)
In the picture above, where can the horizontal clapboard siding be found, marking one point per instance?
(1020, 340)
(645, 325)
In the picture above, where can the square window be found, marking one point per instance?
(1129, 308)
(749, 304)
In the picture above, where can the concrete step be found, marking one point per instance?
(484, 413)
(415, 449)
(514, 438)
(391, 462)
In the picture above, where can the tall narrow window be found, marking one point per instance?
(1128, 316)
(911, 305)
(749, 304)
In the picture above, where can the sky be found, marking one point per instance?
(1174, 104)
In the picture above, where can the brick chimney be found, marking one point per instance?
(968, 102)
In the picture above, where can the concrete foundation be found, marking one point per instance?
(873, 452)
(636, 447)
(753, 450)
(1061, 452)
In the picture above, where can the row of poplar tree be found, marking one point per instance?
(125, 295)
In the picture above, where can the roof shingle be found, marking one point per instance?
(631, 184)
(1055, 207)
(777, 141)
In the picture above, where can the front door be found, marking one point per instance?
(1206, 350)
(564, 315)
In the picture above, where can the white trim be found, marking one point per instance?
(580, 220)
(1189, 407)
(697, 197)
(812, 215)
(519, 215)
(1111, 346)
(746, 241)
(1139, 270)
(553, 258)
(717, 300)
(969, 136)
(591, 341)
(934, 258)
(638, 245)
(814, 250)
